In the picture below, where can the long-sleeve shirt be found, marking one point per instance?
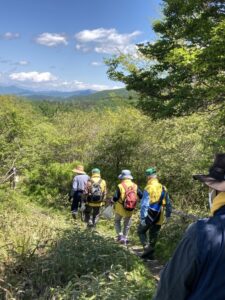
(196, 269)
(151, 195)
(80, 182)
(146, 200)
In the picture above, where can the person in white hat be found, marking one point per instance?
(196, 269)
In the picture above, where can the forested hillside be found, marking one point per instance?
(44, 141)
(172, 119)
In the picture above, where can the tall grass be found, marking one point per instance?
(44, 255)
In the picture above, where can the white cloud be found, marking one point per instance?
(75, 85)
(22, 63)
(107, 41)
(48, 82)
(32, 76)
(96, 63)
(51, 39)
(10, 35)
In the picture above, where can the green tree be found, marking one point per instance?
(184, 70)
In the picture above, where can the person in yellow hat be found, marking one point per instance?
(196, 269)
(79, 186)
(95, 198)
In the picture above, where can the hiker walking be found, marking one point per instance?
(155, 198)
(79, 187)
(196, 269)
(96, 194)
(125, 199)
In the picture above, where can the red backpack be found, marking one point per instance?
(130, 200)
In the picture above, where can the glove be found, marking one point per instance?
(143, 223)
(110, 201)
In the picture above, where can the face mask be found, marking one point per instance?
(212, 195)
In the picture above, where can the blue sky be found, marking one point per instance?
(61, 44)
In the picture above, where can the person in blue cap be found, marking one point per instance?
(125, 198)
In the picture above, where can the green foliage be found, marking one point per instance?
(45, 257)
(183, 71)
(47, 148)
(38, 247)
(169, 237)
(51, 184)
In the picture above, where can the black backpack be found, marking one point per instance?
(95, 191)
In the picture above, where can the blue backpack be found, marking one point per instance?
(154, 209)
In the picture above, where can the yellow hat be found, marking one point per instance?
(79, 169)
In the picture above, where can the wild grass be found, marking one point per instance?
(45, 255)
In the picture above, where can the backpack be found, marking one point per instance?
(95, 191)
(154, 209)
(130, 200)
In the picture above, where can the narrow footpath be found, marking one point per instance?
(153, 265)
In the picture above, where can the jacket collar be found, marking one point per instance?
(152, 180)
(96, 175)
(218, 203)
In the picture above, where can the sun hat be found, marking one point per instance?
(216, 177)
(79, 169)
(150, 171)
(125, 174)
(95, 170)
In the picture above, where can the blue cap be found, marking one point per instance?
(125, 174)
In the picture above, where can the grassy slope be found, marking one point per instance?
(45, 255)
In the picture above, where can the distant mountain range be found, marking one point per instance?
(13, 90)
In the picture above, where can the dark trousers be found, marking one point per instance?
(91, 214)
(77, 198)
(153, 232)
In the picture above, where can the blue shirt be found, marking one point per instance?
(80, 182)
(146, 201)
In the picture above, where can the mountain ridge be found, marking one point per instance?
(14, 90)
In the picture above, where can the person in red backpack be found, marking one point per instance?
(125, 198)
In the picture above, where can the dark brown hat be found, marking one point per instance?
(216, 177)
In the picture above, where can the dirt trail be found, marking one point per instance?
(153, 265)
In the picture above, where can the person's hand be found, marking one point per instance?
(143, 223)
(109, 201)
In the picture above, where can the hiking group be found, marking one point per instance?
(89, 194)
(196, 269)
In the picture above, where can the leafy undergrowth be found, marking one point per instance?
(44, 255)
(170, 235)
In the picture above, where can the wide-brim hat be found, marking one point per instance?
(79, 170)
(216, 177)
(125, 174)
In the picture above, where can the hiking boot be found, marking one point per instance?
(150, 257)
(123, 241)
(119, 238)
(148, 253)
(74, 215)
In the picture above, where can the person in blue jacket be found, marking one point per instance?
(196, 269)
(155, 201)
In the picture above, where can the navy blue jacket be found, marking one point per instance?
(197, 269)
